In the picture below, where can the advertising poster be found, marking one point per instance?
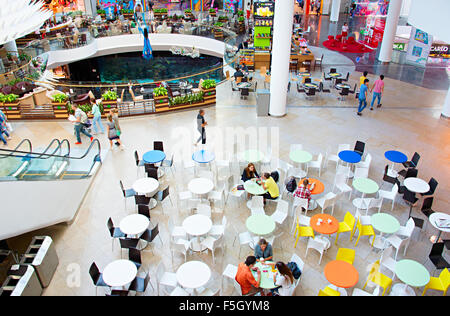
(230, 4)
(419, 47)
(263, 10)
(58, 6)
(371, 7)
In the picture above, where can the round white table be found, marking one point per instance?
(444, 226)
(119, 273)
(200, 186)
(415, 185)
(134, 225)
(197, 226)
(193, 274)
(146, 186)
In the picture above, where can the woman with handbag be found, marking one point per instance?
(113, 133)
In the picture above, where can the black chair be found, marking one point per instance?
(408, 173)
(326, 78)
(244, 93)
(410, 199)
(161, 195)
(115, 232)
(307, 80)
(433, 185)
(127, 193)
(152, 171)
(97, 277)
(150, 234)
(310, 92)
(414, 161)
(436, 257)
(128, 243)
(332, 70)
(300, 89)
(322, 89)
(359, 147)
(427, 207)
(389, 179)
(343, 93)
(352, 91)
(134, 255)
(144, 210)
(118, 293)
(141, 200)
(139, 163)
(158, 145)
(338, 81)
(346, 78)
(140, 284)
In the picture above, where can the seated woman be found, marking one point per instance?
(271, 186)
(263, 251)
(249, 173)
(283, 279)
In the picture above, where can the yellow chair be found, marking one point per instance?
(439, 284)
(328, 291)
(345, 254)
(301, 231)
(364, 230)
(378, 278)
(347, 225)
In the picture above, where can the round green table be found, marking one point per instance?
(266, 276)
(254, 188)
(300, 157)
(260, 224)
(411, 273)
(385, 224)
(365, 186)
(252, 156)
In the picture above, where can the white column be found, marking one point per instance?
(446, 108)
(335, 8)
(281, 53)
(11, 47)
(395, 7)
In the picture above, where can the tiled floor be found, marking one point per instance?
(409, 120)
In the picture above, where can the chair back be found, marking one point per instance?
(415, 159)
(444, 277)
(110, 226)
(433, 185)
(299, 202)
(342, 147)
(332, 70)
(349, 219)
(127, 243)
(158, 145)
(411, 173)
(144, 210)
(163, 194)
(437, 249)
(134, 255)
(136, 157)
(141, 199)
(94, 272)
(121, 187)
(344, 91)
(410, 225)
(282, 206)
(359, 147)
(152, 173)
(307, 80)
(427, 203)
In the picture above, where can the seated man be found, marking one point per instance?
(263, 251)
(238, 73)
(271, 186)
(244, 276)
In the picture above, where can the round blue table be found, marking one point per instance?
(154, 156)
(203, 156)
(396, 157)
(349, 156)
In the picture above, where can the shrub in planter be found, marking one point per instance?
(9, 98)
(188, 11)
(240, 13)
(109, 95)
(101, 12)
(241, 19)
(60, 98)
(159, 92)
(212, 11)
(208, 84)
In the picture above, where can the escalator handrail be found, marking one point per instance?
(65, 141)
(11, 152)
(44, 153)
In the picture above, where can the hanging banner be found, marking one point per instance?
(419, 47)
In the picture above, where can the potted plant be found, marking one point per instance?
(109, 99)
(60, 99)
(101, 12)
(11, 99)
(223, 18)
(240, 13)
(212, 12)
(59, 105)
(160, 96)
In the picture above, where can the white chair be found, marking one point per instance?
(218, 196)
(193, 204)
(244, 239)
(298, 211)
(182, 246)
(213, 290)
(237, 288)
(204, 209)
(365, 220)
(389, 195)
(334, 157)
(165, 278)
(340, 182)
(398, 243)
(327, 201)
(386, 261)
(304, 220)
(366, 163)
(178, 291)
(233, 191)
(302, 203)
(218, 230)
(361, 172)
(343, 169)
(184, 196)
(316, 164)
(230, 272)
(407, 230)
(317, 245)
(257, 205)
(267, 157)
(359, 292)
(375, 203)
(300, 264)
(189, 165)
(212, 244)
(176, 232)
(275, 241)
(281, 212)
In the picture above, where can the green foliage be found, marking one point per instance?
(2, 98)
(8, 98)
(212, 10)
(240, 13)
(223, 18)
(125, 11)
(159, 92)
(60, 98)
(241, 19)
(109, 95)
(162, 10)
(187, 99)
(24, 57)
(14, 82)
(101, 11)
(188, 11)
(208, 84)
(218, 24)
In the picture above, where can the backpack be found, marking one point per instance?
(275, 176)
(295, 270)
(291, 185)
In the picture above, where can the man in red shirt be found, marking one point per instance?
(245, 278)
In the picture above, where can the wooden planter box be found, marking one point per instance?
(60, 110)
(223, 20)
(128, 15)
(161, 103)
(209, 95)
(212, 13)
(11, 110)
(218, 34)
(160, 14)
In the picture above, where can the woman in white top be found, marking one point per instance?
(283, 279)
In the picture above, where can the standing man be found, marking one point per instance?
(80, 119)
(201, 123)
(378, 89)
(363, 77)
(363, 96)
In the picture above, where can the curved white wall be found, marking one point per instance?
(431, 17)
(135, 42)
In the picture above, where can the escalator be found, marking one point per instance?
(55, 162)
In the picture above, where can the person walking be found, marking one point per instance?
(80, 121)
(97, 120)
(378, 89)
(363, 96)
(115, 117)
(201, 123)
(113, 133)
(3, 130)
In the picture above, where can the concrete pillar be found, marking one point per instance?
(395, 7)
(446, 108)
(281, 53)
(335, 8)
(11, 48)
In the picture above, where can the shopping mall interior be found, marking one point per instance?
(224, 148)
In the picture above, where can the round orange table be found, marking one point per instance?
(341, 274)
(319, 187)
(324, 228)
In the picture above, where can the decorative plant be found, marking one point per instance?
(14, 82)
(212, 10)
(223, 17)
(60, 98)
(162, 10)
(241, 19)
(159, 92)
(218, 24)
(240, 13)
(24, 57)
(11, 98)
(101, 11)
(109, 95)
(208, 84)
(2, 98)
(188, 11)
